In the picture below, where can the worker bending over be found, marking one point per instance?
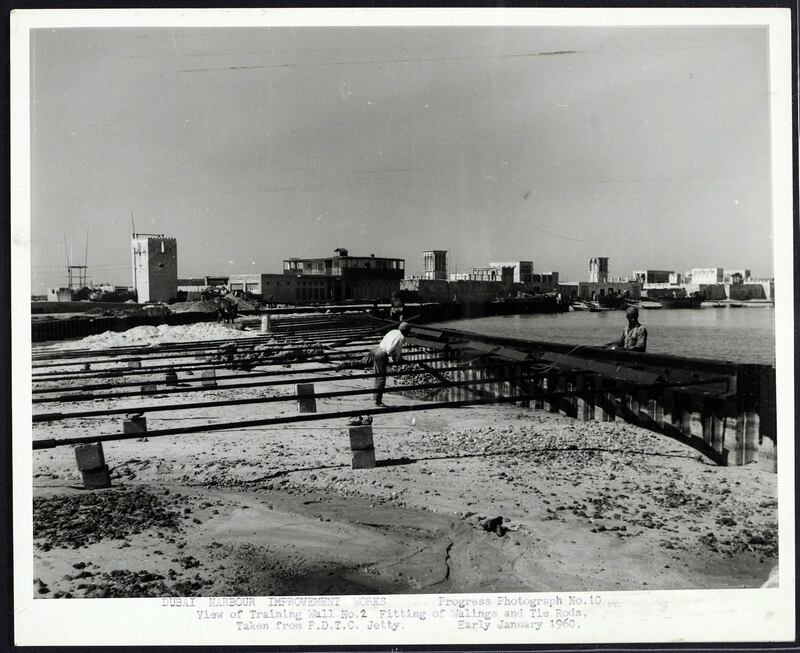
(389, 348)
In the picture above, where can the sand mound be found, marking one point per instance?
(153, 335)
(186, 307)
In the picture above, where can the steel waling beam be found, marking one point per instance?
(618, 372)
(469, 385)
(50, 443)
(431, 344)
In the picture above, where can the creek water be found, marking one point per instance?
(741, 335)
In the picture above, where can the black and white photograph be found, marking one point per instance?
(369, 326)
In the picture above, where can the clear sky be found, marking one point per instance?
(250, 145)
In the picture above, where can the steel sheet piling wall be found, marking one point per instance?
(731, 420)
(732, 427)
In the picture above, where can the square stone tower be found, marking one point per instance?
(155, 267)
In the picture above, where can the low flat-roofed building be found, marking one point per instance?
(504, 275)
(652, 276)
(523, 270)
(245, 282)
(59, 295)
(198, 284)
(544, 282)
(707, 275)
(591, 291)
(458, 290)
(736, 275)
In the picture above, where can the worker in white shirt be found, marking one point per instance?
(390, 347)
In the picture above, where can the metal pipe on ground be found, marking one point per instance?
(188, 352)
(247, 375)
(50, 443)
(556, 397)
(88, 396)
(221, 364)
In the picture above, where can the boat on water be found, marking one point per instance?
(612, 302)
(681, 299)
(596, 307)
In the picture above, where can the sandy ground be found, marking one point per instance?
(279, 510)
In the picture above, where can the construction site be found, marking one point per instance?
(240, 459)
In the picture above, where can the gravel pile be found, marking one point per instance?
(80, 519)
(247, 356)
(418, 376)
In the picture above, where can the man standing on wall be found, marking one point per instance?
(634, 337)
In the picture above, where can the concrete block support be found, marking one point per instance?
(135, 424)
(266, 324)
(208, 379)
(89, 456)
(96, 479)
(135, 364)
(149, 388)
(171, 377)
(92, 466)
(364, 459)
(306, 402)
(361, 438)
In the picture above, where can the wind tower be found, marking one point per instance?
(434, 264)
(154, 260)
(598, 270)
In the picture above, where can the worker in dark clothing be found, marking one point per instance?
(634, 337)
(397, 308)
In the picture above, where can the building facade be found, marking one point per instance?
(543, 282)
(701, 276)
(738, 275)
(155, 267)
(461, 290)
(198, 284)
(653, 276)
(341, 277)
(523, 270)
(594, 291)
(434, 264)
(503, 275)
(59, 295)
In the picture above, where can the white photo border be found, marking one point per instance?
(752, 615)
